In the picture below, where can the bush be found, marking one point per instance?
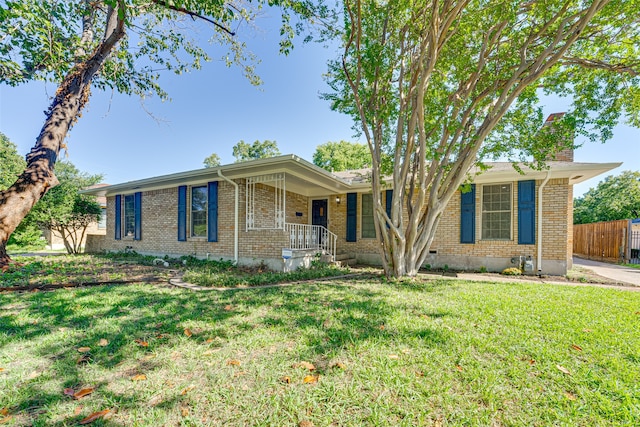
(512, 271)
(27, 237)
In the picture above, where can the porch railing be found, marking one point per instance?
(304, 236)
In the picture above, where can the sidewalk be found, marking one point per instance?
(615, 272)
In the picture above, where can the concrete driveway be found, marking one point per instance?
(615, 272)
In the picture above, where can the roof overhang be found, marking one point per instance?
(302, 177)
(310, 180)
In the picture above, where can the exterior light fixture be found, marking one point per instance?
(338, 200)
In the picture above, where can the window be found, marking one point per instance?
(368, 227)
(102, 224)
(199, 211)
(496, 212)
(129, 218)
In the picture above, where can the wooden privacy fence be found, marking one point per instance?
(604, 241)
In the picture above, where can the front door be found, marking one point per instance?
(319, 212)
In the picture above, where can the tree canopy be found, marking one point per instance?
(11, 163)
(615, 197)
(341, 156)
(212, 161)
(442, 86)
(244, 151)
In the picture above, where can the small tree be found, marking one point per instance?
(64, 210)
(341, 156)
(244, 151)
(212, 161)
(616, 197)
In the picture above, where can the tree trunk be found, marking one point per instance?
(71, 96)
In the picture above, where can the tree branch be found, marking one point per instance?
(633, 69)
(193, 15)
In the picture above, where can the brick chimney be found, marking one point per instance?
(565, 155)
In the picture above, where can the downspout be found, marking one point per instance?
(235, 228)
(540, 220)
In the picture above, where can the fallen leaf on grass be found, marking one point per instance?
(569, 395)
(587, 330)
(6, 419)
(209, 340)
(419, 374)
(381, 327)
(84, 349)
(103, 342)
(69, 391)
(576, 347)
(184, 411)
(286, 379)
(394, 356)
(563, 369)
(305, 423)
(311, 379)
(210, 352)
(141, 343)
(305, 365)
(1, 369)
(228, 307)
(233, 362)
(188, 332)
(459, 368)
(33, 375)
(96, 415)
(532, 362)
(240, 373)
(148, 357)
(187, 390)
(85, 358)
(339, 365)
(139, 377)
(82, 393)
(4, 411)
(77, 411)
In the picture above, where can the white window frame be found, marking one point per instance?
(482, 211)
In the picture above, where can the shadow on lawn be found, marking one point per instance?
(327, 320)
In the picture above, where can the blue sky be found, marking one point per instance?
(214, 108)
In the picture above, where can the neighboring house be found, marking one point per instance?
(54, 239)
(282, 211)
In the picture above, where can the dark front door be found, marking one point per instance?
(319, 212)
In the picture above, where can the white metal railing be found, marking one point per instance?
(304, 236)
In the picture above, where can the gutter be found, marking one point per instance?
(235, 228)
(540, 220)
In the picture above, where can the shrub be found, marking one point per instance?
(512, 271)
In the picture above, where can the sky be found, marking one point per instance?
(125, 139)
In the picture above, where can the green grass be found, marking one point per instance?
(48, 270)
(413, 353)
(631, 265)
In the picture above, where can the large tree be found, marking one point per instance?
(441, 85)
(244, 151)
(109, 44)
(341, 156)
(616, 197)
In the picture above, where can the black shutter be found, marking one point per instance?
(526, 212)
(182, 213)
(212, 214)
(137, 216)
(352, 216)
(118, 217)
(468, 216)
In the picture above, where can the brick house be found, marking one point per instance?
(283, 211)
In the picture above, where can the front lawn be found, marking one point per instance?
(344, 353)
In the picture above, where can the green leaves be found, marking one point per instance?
(616, 197)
